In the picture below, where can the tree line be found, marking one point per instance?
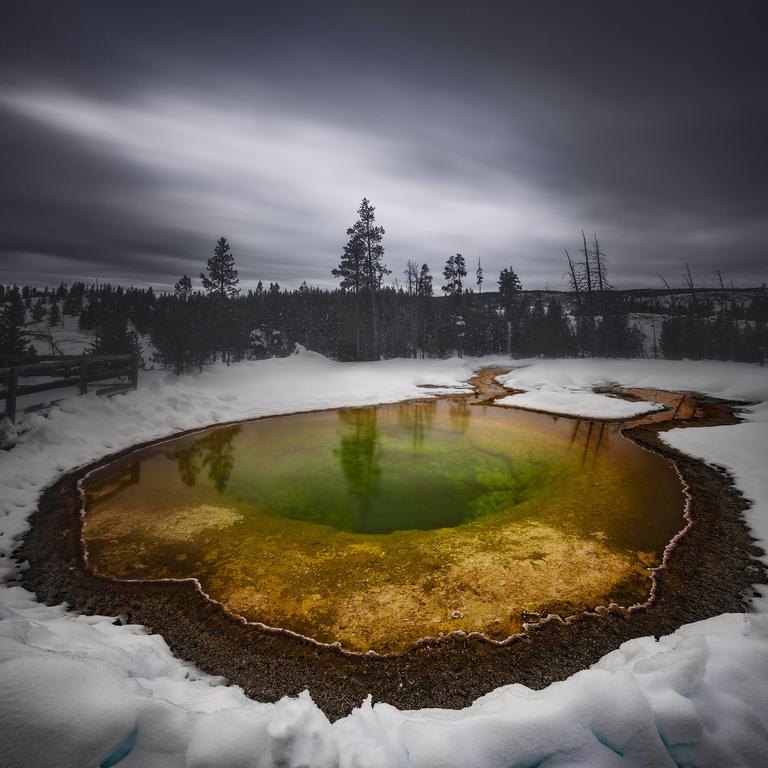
(420, 315)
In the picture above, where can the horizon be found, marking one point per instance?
(471, 289)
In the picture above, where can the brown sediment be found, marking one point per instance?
(706, 572)
(487, 388)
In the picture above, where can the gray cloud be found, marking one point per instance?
(135, 135)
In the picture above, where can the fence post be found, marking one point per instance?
(135, 371)
(83, 375)
(10, 396)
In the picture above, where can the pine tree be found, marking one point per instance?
(510, 287)
(183, 289)
(178, 332)
(172, 335)
(351, 270)
(371, 236)
(13, 339)
(511, 293)
(532, 329)
(220, 285)
(454, 272)
(423, 296)
(362, 267)
(351, 267)
(479, 277)
(38, 311)
(449, 273)
(375, 269)
(557, 336)
(222, 279)
(615, 337)
(73, 301)
(424, 283)
(54, 316)
(113, 336)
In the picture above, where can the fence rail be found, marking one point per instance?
(67, 371)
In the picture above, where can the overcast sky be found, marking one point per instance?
(134, 134)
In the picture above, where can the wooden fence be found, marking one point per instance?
(67, 371)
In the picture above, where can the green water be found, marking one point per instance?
(377, 526)
(375, 470)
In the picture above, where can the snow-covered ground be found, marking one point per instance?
(80, 691)
(590, 405)
(650, 326)
(64, 338)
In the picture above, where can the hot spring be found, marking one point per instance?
(376, 527)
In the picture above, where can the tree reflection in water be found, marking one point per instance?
(187, 462)
(359, 455)
(416, 416)
(592, 441)
(213, 451)
(459, 413)
(104, 486)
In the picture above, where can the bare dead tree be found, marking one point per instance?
(47, 337)
(587, 272)
(669, 289)
(688, 277)
(411, 273)
(600, 270)
(723, 291)
(575, 282)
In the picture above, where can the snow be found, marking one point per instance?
(743, 450)
(650, 326)
(81, 691)
(564, 386)
(66, 336)
(589, 405)
(731, 381)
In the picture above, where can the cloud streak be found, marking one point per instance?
(268, 178)
(464, 142)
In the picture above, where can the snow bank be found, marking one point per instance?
(66, 336)
(83, 692)
(732, 381)
(80, 691)
(564, 386)
(742, 449)
(589, 405)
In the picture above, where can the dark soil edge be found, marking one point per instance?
(708, 572)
